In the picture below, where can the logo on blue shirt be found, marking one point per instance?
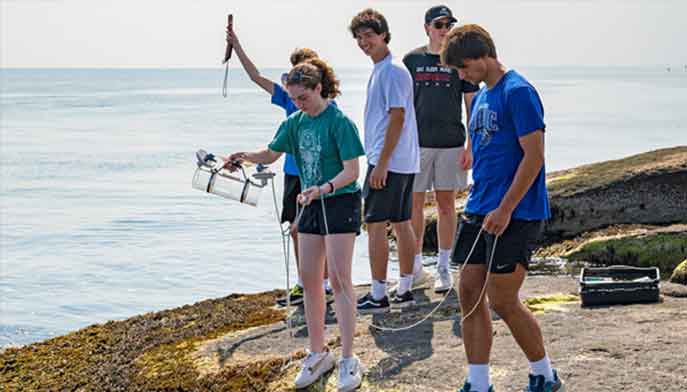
(484, 124)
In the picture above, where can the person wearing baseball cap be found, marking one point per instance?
(439, 94)
(439, 12)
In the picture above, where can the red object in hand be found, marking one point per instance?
(227, 52)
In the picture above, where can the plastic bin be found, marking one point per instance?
(619, 284)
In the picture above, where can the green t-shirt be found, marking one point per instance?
(320, 145)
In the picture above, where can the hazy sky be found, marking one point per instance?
(172, 33)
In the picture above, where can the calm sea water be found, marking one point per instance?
(98, 220)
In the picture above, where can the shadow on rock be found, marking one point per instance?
(405, 346)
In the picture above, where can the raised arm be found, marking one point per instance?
(248, 65)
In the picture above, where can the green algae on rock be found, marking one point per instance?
(680, 273)
(104, 357)
(644, 189)
(539, 305)
(663, 248)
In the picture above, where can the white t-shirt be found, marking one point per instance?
(391, 86)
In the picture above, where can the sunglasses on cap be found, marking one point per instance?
(440, 25)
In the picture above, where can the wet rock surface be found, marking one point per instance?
(241, 343)
(626, 211)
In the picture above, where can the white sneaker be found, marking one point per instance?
(350, 374)
(442, 280)
(420, 279)
(313, 367)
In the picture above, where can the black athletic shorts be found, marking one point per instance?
(343, 215)
(292, 187)
(392, 203)
(514, 246)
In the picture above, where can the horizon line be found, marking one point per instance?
(663, 66)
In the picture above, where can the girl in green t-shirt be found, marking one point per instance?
(326, 146)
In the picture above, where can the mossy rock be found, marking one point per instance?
(143, 353)
(663, 248)
(648, 188)
(680, 273)
(598, 175)
(643, 189)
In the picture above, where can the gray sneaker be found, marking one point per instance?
(539, 384)
(443, 280)
(468, 388)
(420, 278)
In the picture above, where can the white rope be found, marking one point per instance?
(286, 249)
(285, 234)
(226, 80)
(411, 326)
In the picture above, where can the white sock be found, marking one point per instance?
(404, 284)
(417, 264)
(378, 289)
(444, 255)
(478, 377)
(326, 285)
(299, 282)
(542, 367)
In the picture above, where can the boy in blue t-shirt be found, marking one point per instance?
(506, 207)
(292, 183)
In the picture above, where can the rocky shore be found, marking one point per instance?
(241, 343)
(631, 211)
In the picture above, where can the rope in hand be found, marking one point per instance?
(415, 324)
(285, 234)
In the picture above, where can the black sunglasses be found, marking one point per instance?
(440, 25)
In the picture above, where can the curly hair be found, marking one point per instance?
(371, 19)
(300, 55)
(313, 71)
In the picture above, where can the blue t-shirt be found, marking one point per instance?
(499, 116)
(281, 99)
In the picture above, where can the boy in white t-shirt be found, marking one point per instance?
(393, 155)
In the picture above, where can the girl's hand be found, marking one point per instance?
(308, 195)
(232, 39)
(234, 161)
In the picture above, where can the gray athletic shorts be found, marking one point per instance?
(440, 170)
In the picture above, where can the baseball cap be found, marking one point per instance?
(439, 11)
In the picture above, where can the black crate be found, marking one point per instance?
(619, 284)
